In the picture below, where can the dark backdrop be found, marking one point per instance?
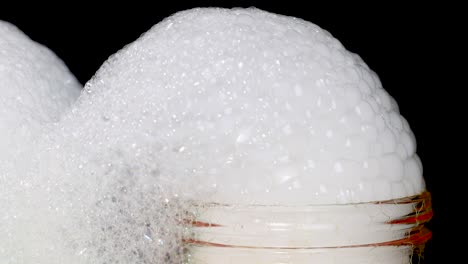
(411, 47)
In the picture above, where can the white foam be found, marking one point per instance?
(36, 88)
(252, 98)
(233, 106)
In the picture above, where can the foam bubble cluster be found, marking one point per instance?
(259, 108)
(36, 88)
(236, 106)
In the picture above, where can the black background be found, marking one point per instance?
(413, 49)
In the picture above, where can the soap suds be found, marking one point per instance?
(232, 106)
(244, 100)
(36, 89)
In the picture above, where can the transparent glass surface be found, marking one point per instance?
(377, 232)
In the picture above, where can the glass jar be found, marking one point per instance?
(384, 232)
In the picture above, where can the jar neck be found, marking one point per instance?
(393, 228)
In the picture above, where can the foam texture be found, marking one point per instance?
(36, 87)
(262, 108)
(235, 106)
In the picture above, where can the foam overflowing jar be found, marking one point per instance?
(284, 143)
(386, 232)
